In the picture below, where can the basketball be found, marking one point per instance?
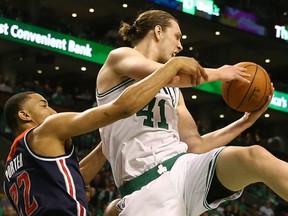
(248, 97)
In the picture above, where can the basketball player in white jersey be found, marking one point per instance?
(148, 151)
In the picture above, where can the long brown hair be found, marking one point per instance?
(145, 22)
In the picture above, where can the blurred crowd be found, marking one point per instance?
(79, 97)
(269, 13)
(257, 200)
(46, 18)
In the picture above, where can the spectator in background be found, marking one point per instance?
(7, 208)
(228, 211)
(241, 203)
(266, 209)
(255, 210)
(90, 191)
(5, 84)
(272, 197)
(58, 97)
(109, 194)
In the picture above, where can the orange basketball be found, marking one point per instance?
(248, 97)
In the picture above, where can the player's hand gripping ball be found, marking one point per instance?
(248, 97)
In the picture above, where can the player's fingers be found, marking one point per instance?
(272, 89)
(244, 74)
(242, 69)
(204, 74)
(269, 98)
(194, 78)
(265, 106)
(244, 79)
(198, 76)
(271, 94)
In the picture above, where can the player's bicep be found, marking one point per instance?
(130, 63)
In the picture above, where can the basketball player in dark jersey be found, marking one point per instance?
(42, 173)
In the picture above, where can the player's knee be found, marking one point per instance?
(257, 151)
(255, 156)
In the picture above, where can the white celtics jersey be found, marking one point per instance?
(147, 138)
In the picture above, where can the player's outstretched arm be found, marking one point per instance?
(129, 102)
(226, 73)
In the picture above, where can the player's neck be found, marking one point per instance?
(148, 49)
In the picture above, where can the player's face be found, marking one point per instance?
(171, 42)
(37, 108)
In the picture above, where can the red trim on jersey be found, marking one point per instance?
(82, 210)
(15, 144)
(66, 173)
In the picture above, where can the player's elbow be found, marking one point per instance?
(135, 97)
(128, 110)
(128, 107)
(197, 146)
(195, 149)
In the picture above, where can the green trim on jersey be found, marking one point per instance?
(99, 95)
(138, 182)
(211, 171)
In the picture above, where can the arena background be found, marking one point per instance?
(249, 31)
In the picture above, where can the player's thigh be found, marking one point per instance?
(238, 167)
(191, 176)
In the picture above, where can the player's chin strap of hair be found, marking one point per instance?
(142, 180)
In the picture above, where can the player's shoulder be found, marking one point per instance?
(122, 52)
(123, 49)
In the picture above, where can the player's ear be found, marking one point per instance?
(24, 116)
(158, 31)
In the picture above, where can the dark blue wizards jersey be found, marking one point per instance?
(38, 185)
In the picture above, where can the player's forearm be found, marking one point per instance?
(92, 164)
(213, 75)
(226, 73)
(138, 95)
(217, 138)
(225, 135)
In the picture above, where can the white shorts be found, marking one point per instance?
(180, 191)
